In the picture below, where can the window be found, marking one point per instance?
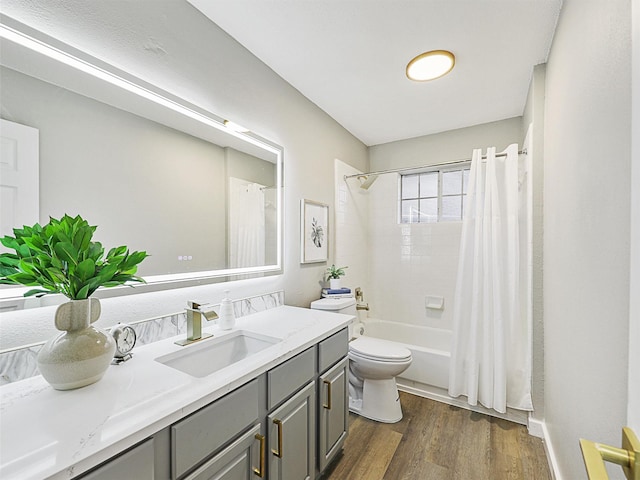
(433, 196)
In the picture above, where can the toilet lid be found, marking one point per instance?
(376, 348)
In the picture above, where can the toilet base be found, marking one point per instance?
(380, 401)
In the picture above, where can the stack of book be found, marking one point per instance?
(337, 293)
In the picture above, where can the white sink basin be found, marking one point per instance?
(210, 355)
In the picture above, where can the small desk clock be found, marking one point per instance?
(125, 337)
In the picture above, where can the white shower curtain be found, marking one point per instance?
(246, 224)
(491, 349)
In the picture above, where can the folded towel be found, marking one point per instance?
(337, 291)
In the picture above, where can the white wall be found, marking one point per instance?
(409, 262)
(172, 45)
(586, 228)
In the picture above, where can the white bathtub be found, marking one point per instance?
(428, 375)
(430, 349)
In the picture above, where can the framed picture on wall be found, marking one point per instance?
(314, 232)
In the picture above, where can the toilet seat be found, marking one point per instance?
(380, 350)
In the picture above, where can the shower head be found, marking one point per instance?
(366, 181)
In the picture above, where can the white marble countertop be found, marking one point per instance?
(46, 433)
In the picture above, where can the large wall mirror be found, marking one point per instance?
(150, 170)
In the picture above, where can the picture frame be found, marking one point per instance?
(314, 232)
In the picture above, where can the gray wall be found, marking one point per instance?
(446, 146)
(586, 228)
(534, 115)
(174, 46)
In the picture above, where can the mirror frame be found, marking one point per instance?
(24, 47)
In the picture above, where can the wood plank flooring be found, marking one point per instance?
(435, 441)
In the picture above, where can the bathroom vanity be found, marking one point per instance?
(276, 411)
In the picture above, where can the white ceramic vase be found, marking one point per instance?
(335, 283)
(81, 354)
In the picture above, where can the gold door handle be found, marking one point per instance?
(328, 404)
(260, 472)
(278, 453)
(595, 454)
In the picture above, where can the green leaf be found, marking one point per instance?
(82, 238)
(9, 242)
(9, 260)
(121, 250)
(134, 259)
(23, 251)
(86, 269)
(106, 273)
(27, 267)
(34, 243)
(6, 270)
(83, 293)
(67, 252)
(37, 292)
(23, 278)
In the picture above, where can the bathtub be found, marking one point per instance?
(430, 349)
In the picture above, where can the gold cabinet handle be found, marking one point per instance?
(260, 471)
(595, 454)
(328, 404)
(278, 453)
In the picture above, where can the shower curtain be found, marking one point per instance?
(491, 350)
(246, 224)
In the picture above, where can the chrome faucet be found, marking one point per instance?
(195, 312)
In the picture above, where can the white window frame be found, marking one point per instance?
(440, 170)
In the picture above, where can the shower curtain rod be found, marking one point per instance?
(453, 162)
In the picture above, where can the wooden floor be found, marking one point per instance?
(435, 441)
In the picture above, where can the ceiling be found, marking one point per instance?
(349, 57)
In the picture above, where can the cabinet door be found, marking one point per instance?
(333, 409)
(244, 459)
(136, 463)
(291, 433)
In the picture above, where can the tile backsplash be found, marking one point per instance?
(20, 363)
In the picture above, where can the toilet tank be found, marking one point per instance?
(336, 305)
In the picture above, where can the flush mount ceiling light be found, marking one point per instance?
(430, 65)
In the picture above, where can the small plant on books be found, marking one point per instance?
(335, 273)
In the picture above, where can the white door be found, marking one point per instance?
(19, 177)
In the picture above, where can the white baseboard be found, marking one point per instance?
(441, 395)
(536, 427)
(551, 455)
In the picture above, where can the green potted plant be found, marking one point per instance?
(333, 274)
(60, 257)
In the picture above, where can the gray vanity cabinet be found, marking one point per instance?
(273, 427)
(137, 463)
(333, 412)
(291, 434)
(333, 396)
(244, 459)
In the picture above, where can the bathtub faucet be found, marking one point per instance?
(362, 306)
(359, 295)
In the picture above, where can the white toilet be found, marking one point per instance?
(373, 367)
